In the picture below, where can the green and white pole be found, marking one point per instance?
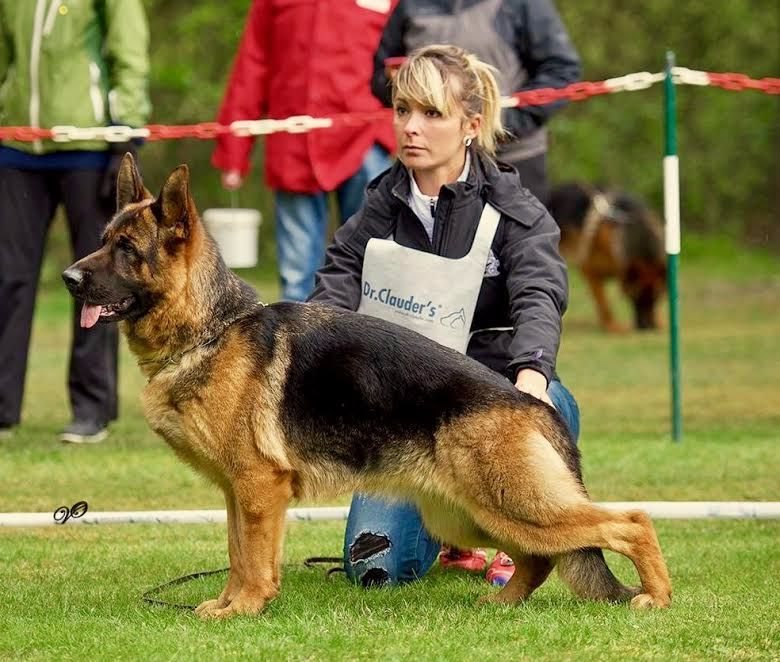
(672, 225)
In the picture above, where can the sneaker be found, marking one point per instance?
(472, 560)
(501, 570)
(84, 432)
(6, 431)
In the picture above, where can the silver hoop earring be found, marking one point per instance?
(467, 141)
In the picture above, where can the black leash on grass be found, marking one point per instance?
(312, 560)
(147, 597)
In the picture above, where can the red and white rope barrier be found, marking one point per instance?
(640, 80)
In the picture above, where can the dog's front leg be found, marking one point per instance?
(234, 576)
(607, 319)
(261, 504)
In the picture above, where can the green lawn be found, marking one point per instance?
(73, 592)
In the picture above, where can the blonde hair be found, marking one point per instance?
(426, 78)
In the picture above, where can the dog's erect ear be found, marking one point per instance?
(172, 205)
(129, 186)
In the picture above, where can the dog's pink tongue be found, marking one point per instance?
(89, 316)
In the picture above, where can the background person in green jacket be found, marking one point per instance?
(80, 63)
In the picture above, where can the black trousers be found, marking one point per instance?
(533, 175)
(28, 200)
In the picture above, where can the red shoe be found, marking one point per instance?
(472, 560)
(501, 570)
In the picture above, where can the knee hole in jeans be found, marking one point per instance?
(367, 545)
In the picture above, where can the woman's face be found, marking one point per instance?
(427, 140)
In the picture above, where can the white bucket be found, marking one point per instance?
(236, 234)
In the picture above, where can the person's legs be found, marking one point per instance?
(301, 231)
(567, 407)
(26, 209)
(385, 543)
(533, 176)
(351, 193)
(92, 374)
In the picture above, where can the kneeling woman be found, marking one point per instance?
(450, 244)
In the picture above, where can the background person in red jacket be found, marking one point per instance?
(307, 58)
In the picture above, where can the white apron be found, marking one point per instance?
(433, 295)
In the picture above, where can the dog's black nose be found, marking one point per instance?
(72, 277)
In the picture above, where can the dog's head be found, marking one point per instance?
(143, 253)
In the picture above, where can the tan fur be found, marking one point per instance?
(601, 263)
(522, 499)
(495, 479)
(601, 257)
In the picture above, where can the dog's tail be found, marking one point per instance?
(587, 574)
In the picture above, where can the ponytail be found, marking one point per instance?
(491, 129)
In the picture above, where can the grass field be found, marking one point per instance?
(73, 592)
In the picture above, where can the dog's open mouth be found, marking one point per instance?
(108, 312)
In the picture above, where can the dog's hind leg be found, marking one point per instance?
(587, 574)
(628, 533)
(234, 576)
(530, 573)
(528, 500)
(262, 498)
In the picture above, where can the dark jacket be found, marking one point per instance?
(529, 293)
(524, 39)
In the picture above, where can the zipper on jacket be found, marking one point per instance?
(114, 107)
(95, 95)
(398, 196)
(436, 235)
(35, 61)
(51, 16)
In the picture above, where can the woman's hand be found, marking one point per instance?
(232, 180)
(534, 383)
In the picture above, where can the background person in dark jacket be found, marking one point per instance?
(524, 39)
(500, 296)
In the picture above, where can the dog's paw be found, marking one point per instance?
(204, 609)
(499, 598)
(615, 327)
(647, 601)
(242, 604)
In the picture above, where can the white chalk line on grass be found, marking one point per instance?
(656, 509)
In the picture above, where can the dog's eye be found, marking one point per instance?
(126, 246)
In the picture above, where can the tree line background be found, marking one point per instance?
(729, 142)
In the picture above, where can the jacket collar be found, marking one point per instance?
(494, 182)
(501, 186)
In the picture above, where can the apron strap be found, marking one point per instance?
(486, 230)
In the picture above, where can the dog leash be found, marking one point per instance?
(598, 211)
(313, 560)
(176, 358)
(158, 602)
(147, 597)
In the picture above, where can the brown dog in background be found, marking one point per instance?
(290, 400)
(610, 235)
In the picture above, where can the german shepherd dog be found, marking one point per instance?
(287, 401)
(612, 235)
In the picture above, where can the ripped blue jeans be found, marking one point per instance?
(386, 542)
(302, 224)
